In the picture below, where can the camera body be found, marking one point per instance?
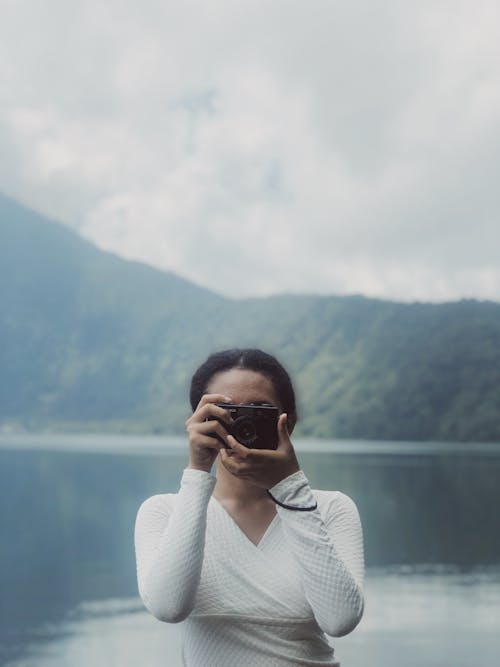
(254, 426)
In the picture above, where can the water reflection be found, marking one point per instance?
(413, 618)
(68, 519)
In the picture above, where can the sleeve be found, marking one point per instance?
(169, 546)
(329, 553)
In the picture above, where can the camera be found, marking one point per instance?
(254, 426)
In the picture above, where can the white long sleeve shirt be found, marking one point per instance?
(252, 605)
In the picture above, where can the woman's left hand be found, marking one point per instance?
(262, 467)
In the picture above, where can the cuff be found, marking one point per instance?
(198, 480)
(294, 490)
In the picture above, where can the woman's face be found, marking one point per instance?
(244, 387)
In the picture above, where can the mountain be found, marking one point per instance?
(84, 336)
(91, 341)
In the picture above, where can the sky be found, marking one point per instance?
(260, 147)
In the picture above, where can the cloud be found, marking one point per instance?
(261, 147)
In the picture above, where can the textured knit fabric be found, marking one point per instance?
(267, 605)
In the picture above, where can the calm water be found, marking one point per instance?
(67, 569)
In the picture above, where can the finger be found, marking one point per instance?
(213, 398)
(237, 447)
(248, 453)
(283, 435)
(237, 468)
(208, 411)
(208, 427)
(226, 460)
(283, 423)
(207, 442)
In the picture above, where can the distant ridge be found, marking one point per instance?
(89, 341)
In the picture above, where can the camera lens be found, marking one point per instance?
(244, 430)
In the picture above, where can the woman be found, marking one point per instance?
(259, 565)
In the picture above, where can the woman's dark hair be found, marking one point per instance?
(249, 359)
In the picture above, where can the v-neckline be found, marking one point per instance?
(241, 531)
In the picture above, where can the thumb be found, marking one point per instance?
(283, 435)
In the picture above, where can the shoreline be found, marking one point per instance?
(167, 444)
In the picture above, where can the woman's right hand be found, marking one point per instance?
(201, 427)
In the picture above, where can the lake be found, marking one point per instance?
(67, 566)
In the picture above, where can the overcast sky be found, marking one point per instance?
(264, 147)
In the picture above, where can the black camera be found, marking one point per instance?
(255, 426)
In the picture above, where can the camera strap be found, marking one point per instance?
(291, 507)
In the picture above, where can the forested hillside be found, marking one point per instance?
(89, 341)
